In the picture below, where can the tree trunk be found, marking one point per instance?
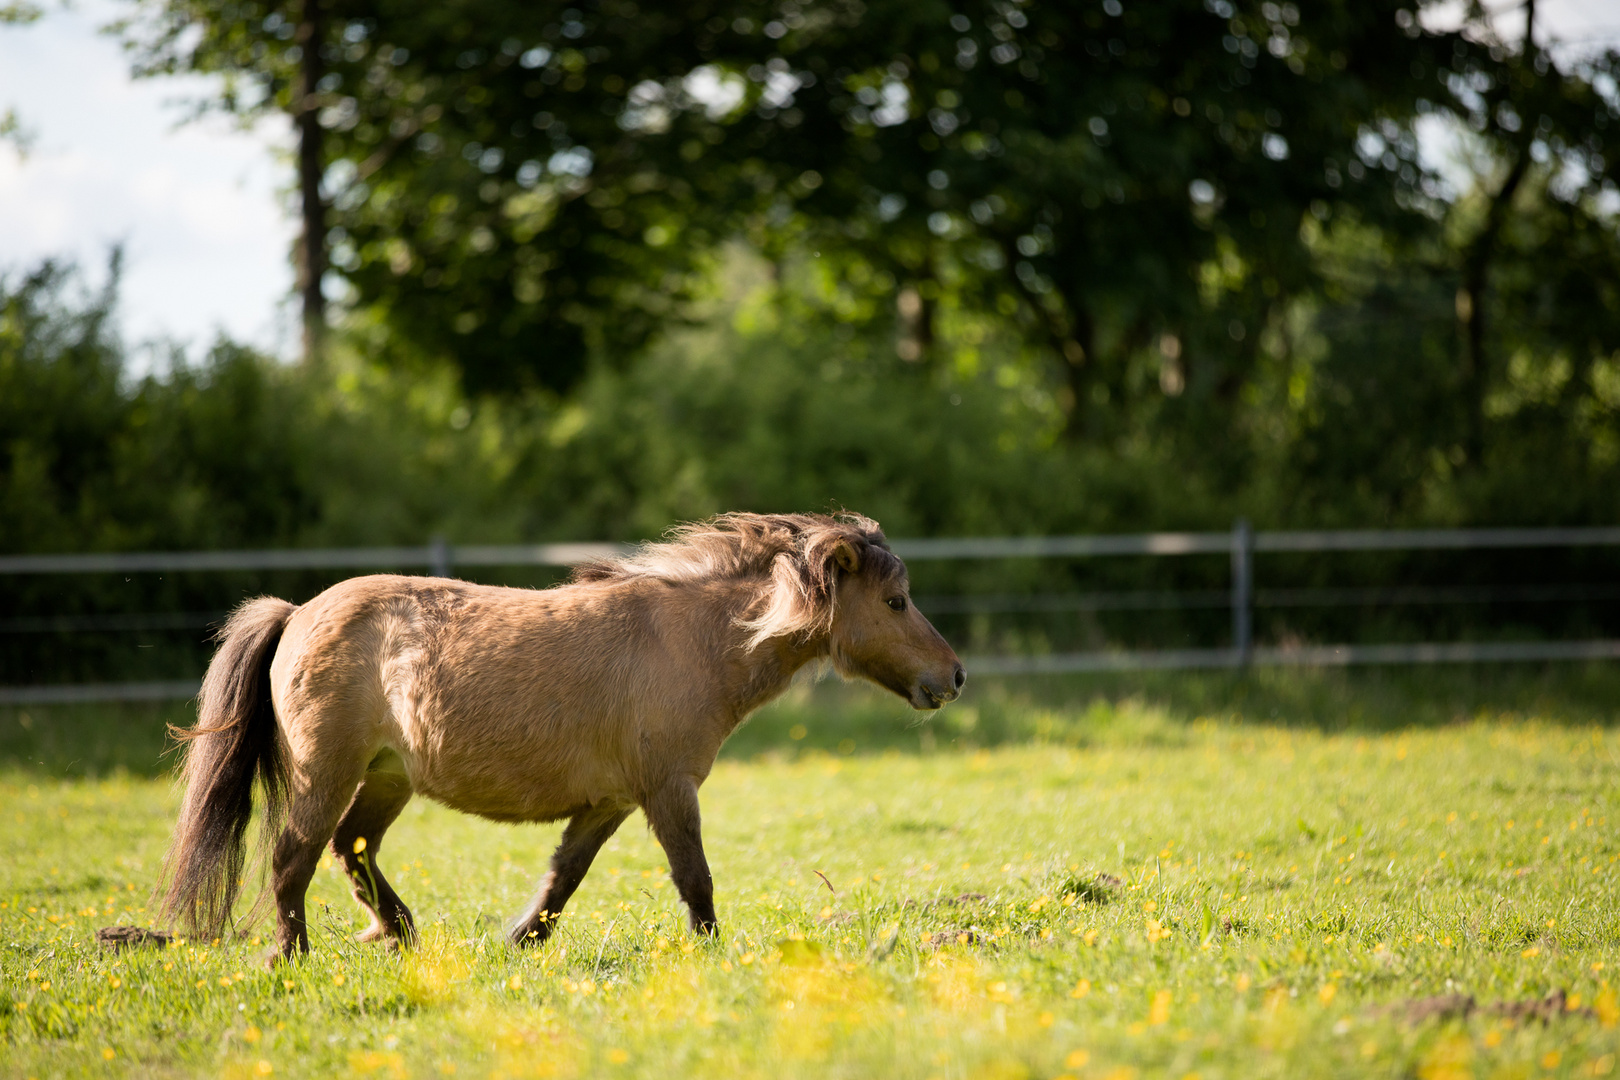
(1477, 267)
(1078, 349)
(306, 119)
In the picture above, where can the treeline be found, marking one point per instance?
(1203, 233)
(1188, 246)
(520, 189)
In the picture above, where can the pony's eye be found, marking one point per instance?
(897, 603)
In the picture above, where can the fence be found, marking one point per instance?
(1241, 544)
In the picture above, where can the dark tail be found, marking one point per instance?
(234, 738)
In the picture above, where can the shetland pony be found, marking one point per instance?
(580, 702)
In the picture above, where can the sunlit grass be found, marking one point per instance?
(1210, 897)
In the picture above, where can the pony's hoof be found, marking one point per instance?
(393, 940)
(525, 937)
(275, 959)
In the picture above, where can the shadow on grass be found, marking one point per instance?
(91, 740)
(1143, 708)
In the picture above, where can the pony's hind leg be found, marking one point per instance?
(313, 814)
(581, 840)
(382, 795)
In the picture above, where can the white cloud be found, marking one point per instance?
(197, 207)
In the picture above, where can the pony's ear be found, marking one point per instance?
(843, 554)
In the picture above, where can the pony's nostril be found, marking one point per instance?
(961, 676)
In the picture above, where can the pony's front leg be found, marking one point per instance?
(673, 813)
(581, 840)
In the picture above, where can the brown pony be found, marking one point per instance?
(583, 702)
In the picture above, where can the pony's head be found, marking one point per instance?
(836, 579)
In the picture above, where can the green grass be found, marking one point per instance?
(1298, 858)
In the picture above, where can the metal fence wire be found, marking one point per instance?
(1241, 596)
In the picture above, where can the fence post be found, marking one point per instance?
(439, 556)
(1242, 591)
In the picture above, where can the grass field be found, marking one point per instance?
(1229, 877)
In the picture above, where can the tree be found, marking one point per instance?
(1119, 177)
(522, 185)
(518, 187)
(1534, 123)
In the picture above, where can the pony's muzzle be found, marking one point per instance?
(931, 693)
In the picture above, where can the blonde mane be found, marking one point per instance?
(792, 556)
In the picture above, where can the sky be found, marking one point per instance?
(200, 208)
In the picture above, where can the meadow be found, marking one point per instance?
(1279, 874)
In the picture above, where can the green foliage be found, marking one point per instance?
(516, 187)
(197, 458)
(1198, 239)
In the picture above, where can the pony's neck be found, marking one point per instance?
(763, 672)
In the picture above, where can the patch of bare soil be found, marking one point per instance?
(1093, 890)
(952, 935)
(1462, 1006)
(131, 937)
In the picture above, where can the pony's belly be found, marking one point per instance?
(480, 804)
(506, 793)
(538, 763)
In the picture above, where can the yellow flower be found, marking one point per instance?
(359, 844)
(1607, 1007)
(1159, 1012)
